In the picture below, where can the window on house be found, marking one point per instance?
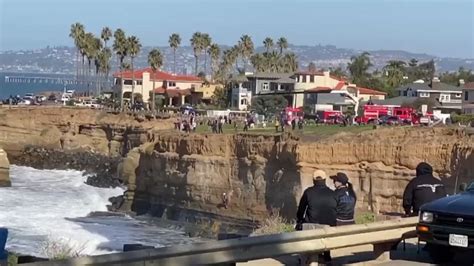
(443, 98)
(311, 78)
(405, 93)
(139, 82)
(171, 84)
(424, 94)
(304, 79)
(458, 95)
(265, 86)
(127, 82)
(466, 96)
(243, 102)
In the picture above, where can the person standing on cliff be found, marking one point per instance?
(317, 205)
(422, 189)
(346, 199)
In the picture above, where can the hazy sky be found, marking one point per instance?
(439, 27)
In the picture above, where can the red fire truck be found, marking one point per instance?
(373, 114)
(329, 117)
(290, 113)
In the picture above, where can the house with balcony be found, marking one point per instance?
(448, 97)
(171, 89)
(270, 83)
(468, 98)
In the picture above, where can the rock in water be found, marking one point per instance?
(4, 169)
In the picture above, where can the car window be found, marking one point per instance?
(470, 187)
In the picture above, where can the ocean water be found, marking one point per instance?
(22, 83)
(52, 206)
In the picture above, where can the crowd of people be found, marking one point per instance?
(322, 205)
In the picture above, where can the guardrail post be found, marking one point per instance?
(382, 251)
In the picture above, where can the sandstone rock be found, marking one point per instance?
(268, 172)
(4, 169)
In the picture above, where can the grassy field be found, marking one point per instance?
(308, 130)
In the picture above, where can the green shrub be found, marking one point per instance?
(463, 119)
(274, 224)
(365, 218)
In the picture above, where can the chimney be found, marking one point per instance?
(435, 79)
(327, 73)
(461, 82)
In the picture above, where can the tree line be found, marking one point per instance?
(92, 49)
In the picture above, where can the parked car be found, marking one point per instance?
(389, 120)
(447, 224)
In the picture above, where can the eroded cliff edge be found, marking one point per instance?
(264, 173)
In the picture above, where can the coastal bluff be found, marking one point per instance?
(4, 169)
(73, 129)
(269, 172)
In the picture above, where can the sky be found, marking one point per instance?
(443, 28)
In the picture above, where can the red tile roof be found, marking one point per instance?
(370, 91)
(159, 75)
(469, 85)
(340, 85)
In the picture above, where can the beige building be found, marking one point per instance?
(309, 80)
(468, 98)
(174, 89)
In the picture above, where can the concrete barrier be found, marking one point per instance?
(258, 247)
(4, 169)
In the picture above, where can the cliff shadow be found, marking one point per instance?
(462, 168)
(283, 181)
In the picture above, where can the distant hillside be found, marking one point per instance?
(62, 59)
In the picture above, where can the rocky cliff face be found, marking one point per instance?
(4, 169)
(263, 173)
(73, 129)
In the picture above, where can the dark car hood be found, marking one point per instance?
(457, 204)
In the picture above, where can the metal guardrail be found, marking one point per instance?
(258, 247)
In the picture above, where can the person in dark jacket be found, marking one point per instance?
(317, 205)
(422, 189)
(346, 199)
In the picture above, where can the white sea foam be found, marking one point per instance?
(48, 204)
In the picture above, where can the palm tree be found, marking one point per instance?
(282, 44)
(268, 43)
(174, 42)
(258, 62)
(155, 60)
(77, 33)
(104, 63)
(105, 35)
(394, 72)
(206, 43)
(358, 68)
(234, 56)
(89, 50)
(197, 44)
(290, 63)
(214, 53)
(246, 49)
(134, 47)
(121, 50)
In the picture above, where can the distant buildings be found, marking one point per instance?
(447, 97)
(173, 90)
(311, 89)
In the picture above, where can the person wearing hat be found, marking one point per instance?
(318, 203)
(317, 206)
(422, 189)
(346, 199)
